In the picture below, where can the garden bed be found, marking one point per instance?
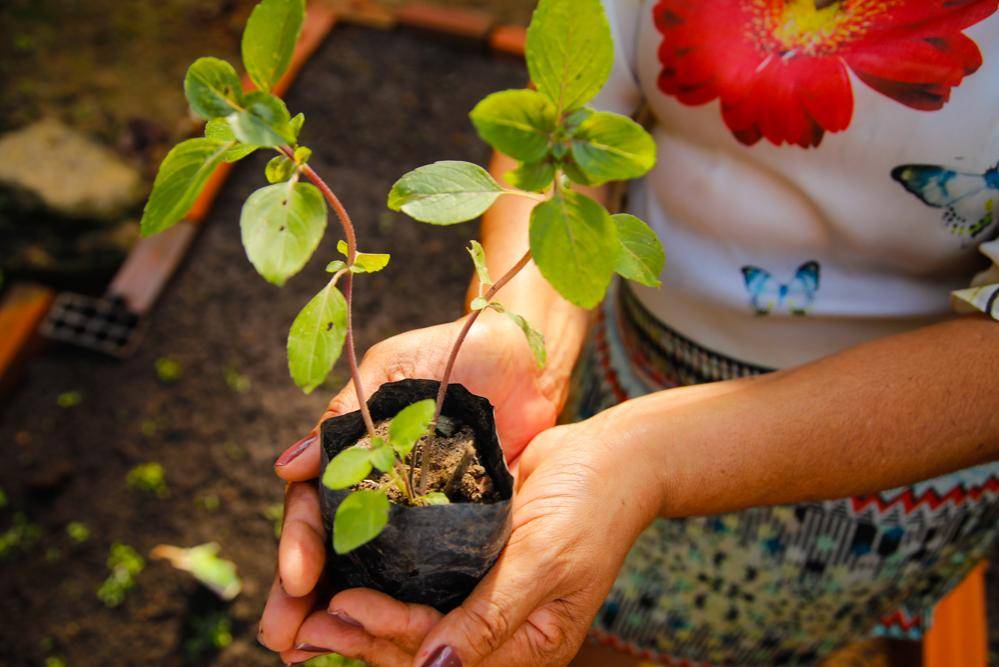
(79, 423)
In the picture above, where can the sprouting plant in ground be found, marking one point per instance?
(235, 380)
(77, 531)
(54, 661)
(559, 142)
(208, 633)
(148, 477)
(69, 399)
(209, 502)
(168, 370)
(275, 514)
(204, 563)
(21, 536)
(124, 564)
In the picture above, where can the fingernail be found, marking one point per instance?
(344, 617)
(444, 656)
(292, 452)
(260, 637)
(309, 648)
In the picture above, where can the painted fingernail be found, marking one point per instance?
(309, 648)
(344, 617)
(444, 656)
(292, 452)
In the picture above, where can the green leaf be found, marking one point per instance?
(532, 176)
(478, 303)
(434, 498)
(213, 88)
(179, 181)
(302, 154)
(263, 122)
(336, 265)
(478, 254)
(445, 193)
(516, 122)
(219, 131)
(534, 339)
(569, 51)
(411, 424)
(640, 256)
(204, 563)
(611, 147)
(574, 243)
(359, 519)
(282, 224)
(316, 338)
(296, 124)
(365, 262)
(382, 456)
(347, 468)
(269, 40)
(279, 169)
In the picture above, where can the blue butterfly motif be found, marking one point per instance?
(767, 294)
(968, 199)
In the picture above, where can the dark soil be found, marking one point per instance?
(447, 453)
(377, 104)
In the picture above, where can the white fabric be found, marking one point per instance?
(886, 261)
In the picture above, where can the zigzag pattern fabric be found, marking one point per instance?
(775, 585)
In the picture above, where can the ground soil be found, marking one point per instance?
(446, 453)
(377, 104)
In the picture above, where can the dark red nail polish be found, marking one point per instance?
(309, 648)
(292, 452)
(344, 617)
(444, 656)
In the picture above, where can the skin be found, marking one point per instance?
(876, 416)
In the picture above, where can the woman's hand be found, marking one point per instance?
(494, 362)
(581, 501)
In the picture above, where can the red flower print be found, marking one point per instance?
(779, 67)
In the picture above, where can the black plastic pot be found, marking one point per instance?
(428, 555)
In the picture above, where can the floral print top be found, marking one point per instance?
(828, 169)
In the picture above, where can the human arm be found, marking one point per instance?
(879, 415)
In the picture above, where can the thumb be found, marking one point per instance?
(492, 614)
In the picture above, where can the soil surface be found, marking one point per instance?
(219, 406)
(447, 453)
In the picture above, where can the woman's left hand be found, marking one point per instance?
(581, 502)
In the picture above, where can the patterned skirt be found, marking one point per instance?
(781, 585)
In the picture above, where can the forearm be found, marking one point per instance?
(504, 235)
(879, 415)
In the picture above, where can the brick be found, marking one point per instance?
(509, 39)
(465, 24)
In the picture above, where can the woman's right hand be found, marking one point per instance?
(495, 362)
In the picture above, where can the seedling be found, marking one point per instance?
(559, 142)
(169, 370)
(125, 564)
(205, 565)
(209, 632)
(78, 531)
(21, 536)
(69, 399)
(148, 477)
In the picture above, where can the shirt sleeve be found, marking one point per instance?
(983, 295)
(622, 94)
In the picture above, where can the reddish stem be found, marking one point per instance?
(490, 293)
(348, 285)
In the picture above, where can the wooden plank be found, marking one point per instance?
(509, 40)
(959, 636)
(21, 309)
(465, 24)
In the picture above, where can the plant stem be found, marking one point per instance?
(455, 348)
(348, 285)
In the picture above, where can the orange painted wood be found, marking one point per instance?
(509, 39)
(21, 309)
(366, 13)
(959, 636)
(455, 22)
